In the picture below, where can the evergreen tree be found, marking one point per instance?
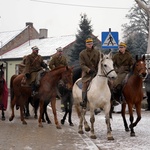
(84, 32)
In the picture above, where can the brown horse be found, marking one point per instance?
(46, 92)
(133, 93)
(3, 92)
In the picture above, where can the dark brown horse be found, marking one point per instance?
(133, 93)
(46, 92)
(3, 92)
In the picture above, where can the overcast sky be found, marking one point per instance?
(63, 18)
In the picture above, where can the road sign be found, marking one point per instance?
(110, 40)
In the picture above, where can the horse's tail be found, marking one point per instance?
(77, 108)
(11, 86)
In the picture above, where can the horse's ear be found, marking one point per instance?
(110, 54)
(143, 57)
(101, 55)
(136, 57)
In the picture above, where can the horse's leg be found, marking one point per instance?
(53, 104)
(107, 119)
(123, 111)
(41, 112)
(130, 107)
(70, 110)
(22, 113)
(26, 109)
(3, 114)
(92, 120)
(46, 115)
(64, 99)
(12, 104)
(138, 111)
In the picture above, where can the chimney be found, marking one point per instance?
(29, 24)
(43, 33)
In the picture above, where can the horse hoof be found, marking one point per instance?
(62, 121)
(43, 120)
(58, 127)
(71, 124)
(80, 132)
(49, 122)
(110, 138)
(93, 137)
(35, 117)
(11, 118)
(24, 123)
(40, 125)
(87, 129)
(127, 130)
(3, 118)
(132, 134)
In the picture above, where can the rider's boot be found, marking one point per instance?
(84, 100)
(34, 89)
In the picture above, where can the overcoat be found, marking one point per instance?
(57, 61)
(122, 65)
(33, 65)
(88, 59)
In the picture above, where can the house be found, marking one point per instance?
(16, 44)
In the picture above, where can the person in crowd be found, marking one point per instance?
(147, 89)
(58, 60)
(89, 59)
(123, 62)
(33, 65)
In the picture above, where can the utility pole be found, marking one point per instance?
(147, 9)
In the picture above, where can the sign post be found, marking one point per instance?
(110, 40)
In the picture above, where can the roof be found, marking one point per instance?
(47, 46)
(7, 36)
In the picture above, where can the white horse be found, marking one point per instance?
(98, 96)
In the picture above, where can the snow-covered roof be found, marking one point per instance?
(7, 36)
(46, 46)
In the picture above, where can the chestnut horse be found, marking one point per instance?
(133, 93)
(46, 91)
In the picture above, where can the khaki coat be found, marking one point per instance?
(88, 59)
(57, 61)
(122, 65)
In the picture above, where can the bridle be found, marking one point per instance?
(105, 73)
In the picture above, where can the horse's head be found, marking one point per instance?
(139, 67)
(107, 67)
(67, 77)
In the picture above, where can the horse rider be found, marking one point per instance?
(89, 59)
(34, 64)
(58, 60)
(123, 62)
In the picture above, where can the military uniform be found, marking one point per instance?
(34, 63)
(89, 59)
(122, 65)
(123, 62)
(57, 61)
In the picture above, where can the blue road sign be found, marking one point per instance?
(110, 40)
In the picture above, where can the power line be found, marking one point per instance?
(78, 5)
